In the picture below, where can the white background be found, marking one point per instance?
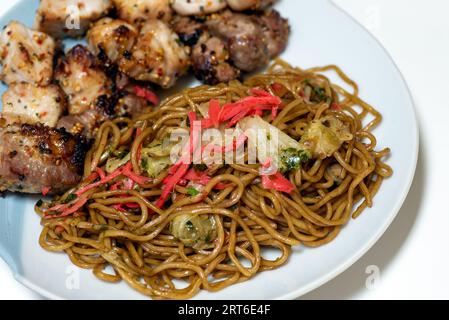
(413, 255)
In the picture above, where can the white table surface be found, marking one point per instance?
(412, 258)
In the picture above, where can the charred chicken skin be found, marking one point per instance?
(34, 158)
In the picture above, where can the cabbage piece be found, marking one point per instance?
(152, 165)
(325, 136)
(195, 231)
(322, 138)
(159, 148)
(203, 108)
(154, 159)
(286, 155)
(114, 163)
(335, 171)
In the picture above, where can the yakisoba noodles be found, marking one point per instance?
(199, 238)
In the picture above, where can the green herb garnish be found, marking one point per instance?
(144, 163)
(121, 154)
(70, 198)
(291, 159)
(318, 93)
(192, 192)
(190, 226)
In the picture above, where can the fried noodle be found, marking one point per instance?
(121, 234)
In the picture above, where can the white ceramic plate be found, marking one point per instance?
(322, 34)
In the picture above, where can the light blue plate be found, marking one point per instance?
(322, 34)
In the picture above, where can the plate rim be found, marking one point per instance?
(356, 256)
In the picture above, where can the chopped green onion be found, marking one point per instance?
(144, 164)
(291, 159)
(192, 192)
(70, 198)
(190, 226)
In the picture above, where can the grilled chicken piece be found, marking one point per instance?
(210, 57)
(241, 5)
(211, 62)
(130, 105)
(188, 29)
(112, 38)
(69, 18)
(86, 123)
(82, 80)
(8, 118)
(252, 40)
(82, 124)
(122, 103)
(138, 11)
(127, 102)
(36, 157)
(158, 56)
(229, 42)
(198, 7)
(276, 31)
(26, 55)
(41, 104)
(245, 39)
